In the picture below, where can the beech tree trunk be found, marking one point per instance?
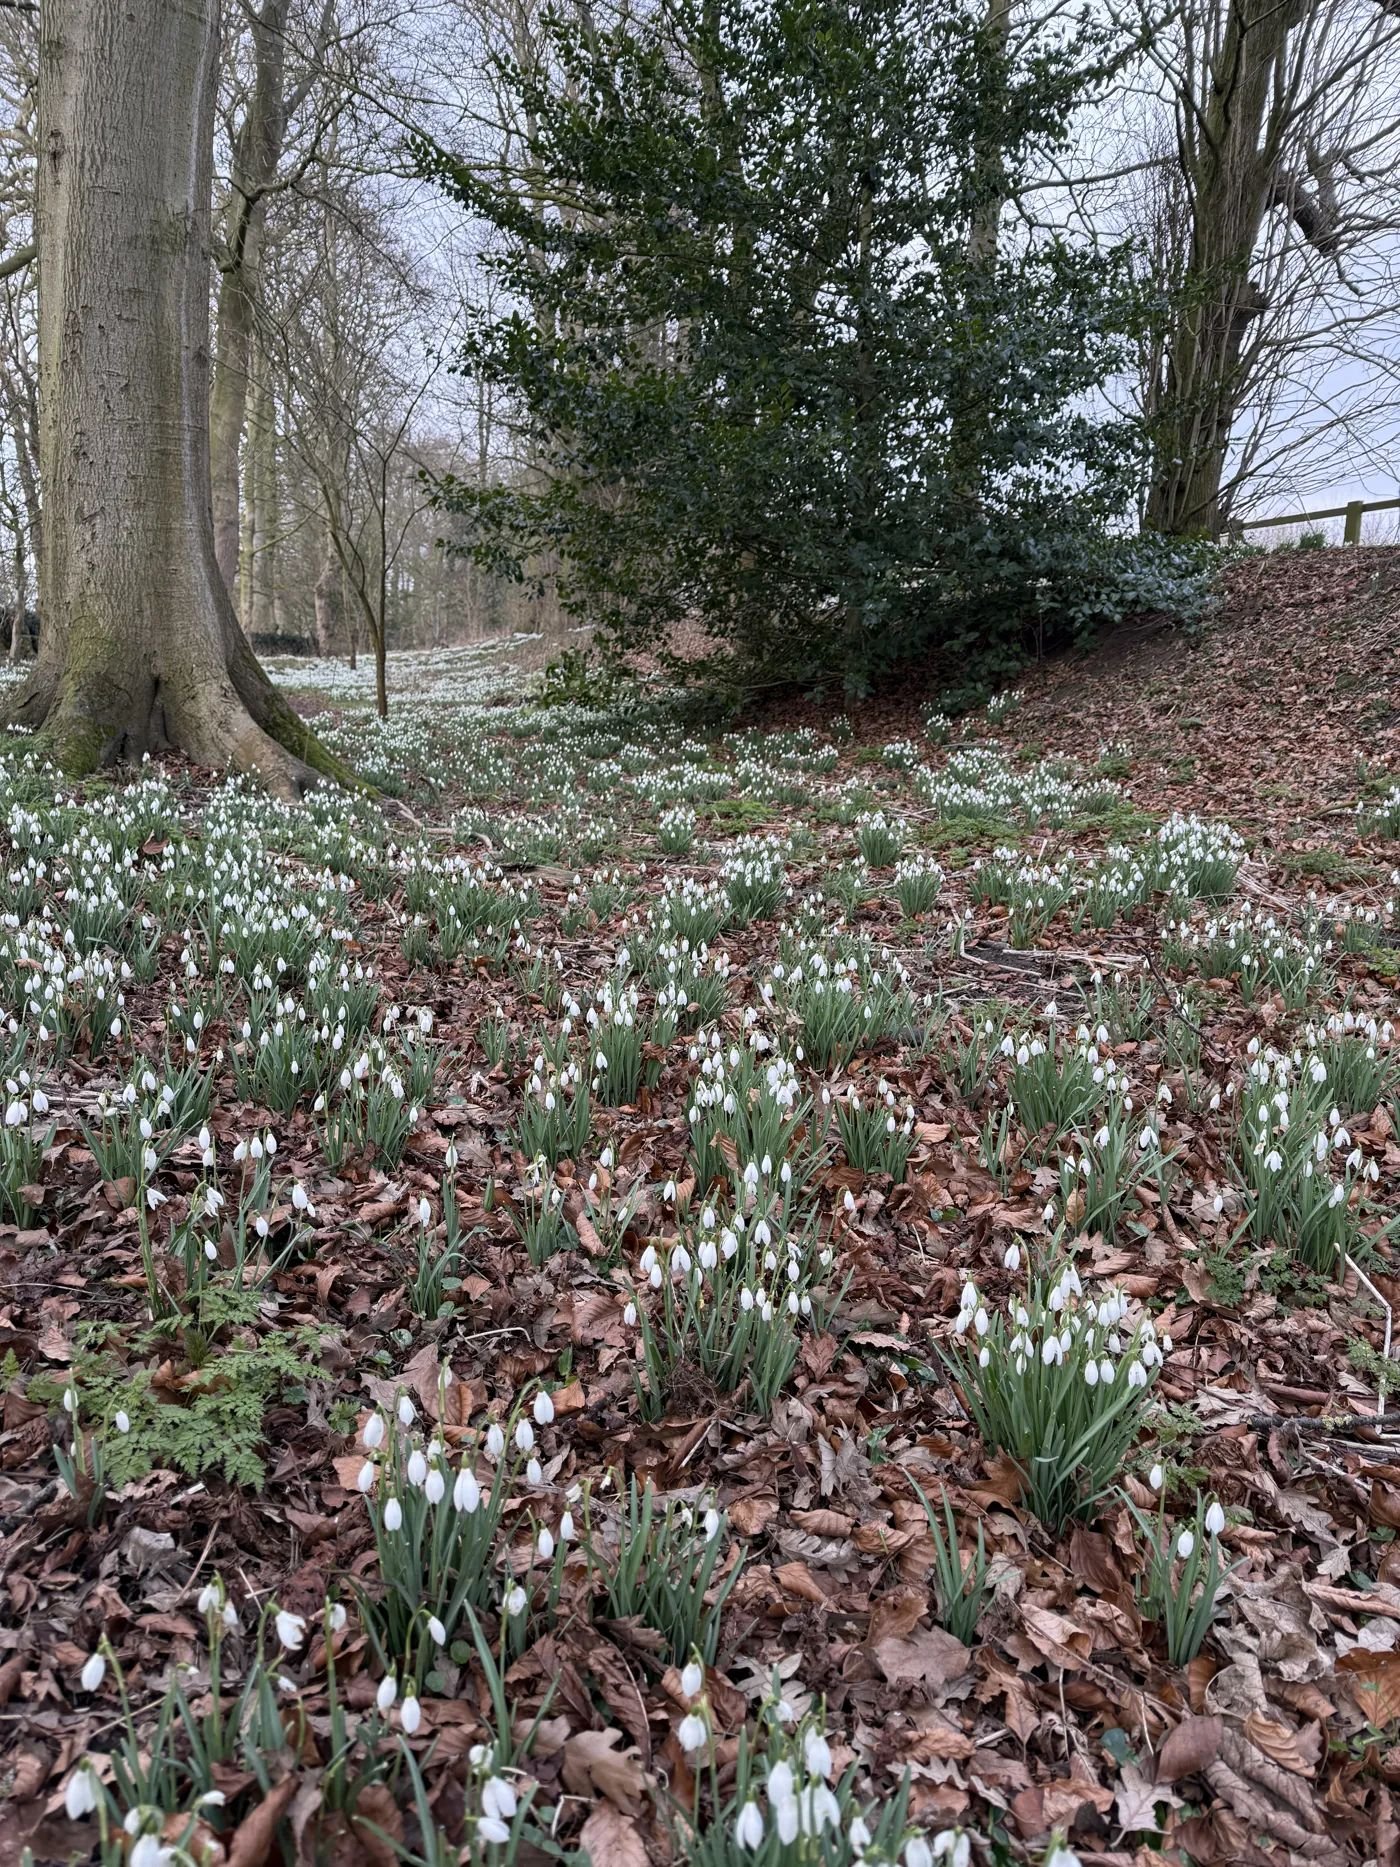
(141, 650)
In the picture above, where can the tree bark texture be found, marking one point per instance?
(1230, 161)
(141, 650)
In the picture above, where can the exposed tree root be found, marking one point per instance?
(232, 720)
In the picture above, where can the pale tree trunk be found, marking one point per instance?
(257, 151)
(259, 618)
(140, 649)
(328, 596)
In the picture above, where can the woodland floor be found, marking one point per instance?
(158, 933)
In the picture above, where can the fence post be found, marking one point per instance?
(1351, 525)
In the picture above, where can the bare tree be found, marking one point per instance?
(275, 75)
(1274, 235)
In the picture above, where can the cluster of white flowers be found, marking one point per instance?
(979, 781)
(1059, 1326)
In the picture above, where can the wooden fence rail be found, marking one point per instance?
(1351, 512)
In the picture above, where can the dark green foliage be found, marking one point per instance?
(210, 1419)
(775, 376)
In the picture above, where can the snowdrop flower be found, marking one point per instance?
(1011, 1257)
(1215, 1519)
(407, 1412)
(393, 1515)
(543, 1409)
(364, 1481)
(338, 1617)
(1185, 1544)
(80, 1794)
(491, 1828)
(1155, 1477)
(692, 1733)
(567, 1532)
(210, 1599)
(498, 1798)
(410, 1715)
(748, 1827)
(544, 1544)
(387, 1693)
(495, 1442)
(417, 1468)
(786, 1815)
(692, 1679)
(94, 1672)
(534, 1472)
(516, 1601)
(524, 1436)
(952, 1846)
(291, 1629)
(816, 1753)
(434, 1486)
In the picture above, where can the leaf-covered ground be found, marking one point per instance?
(579, 1166)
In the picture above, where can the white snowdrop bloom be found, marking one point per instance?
(498, 1798)
(1185, 1544)
(516, 1601)
(1215, 1519)
(1137, 1375)
(785, 1814)
(524, 1436)
(816, 1753)
(748, 1827)
(543, 1408)
(952, 1847)
(692, 1679)
(434, 1486)
(407, 1412)
(544, 1544)
(410, 1715)
(1155, 1477)
(393, 1515)
(417, 1469)
(338, 1617)
(1091, 1374)
(94, 1672)
(495, 1441)
(291, 1629)
(466, 1492)
(387, 1693)
(1011, 1258)
(80, 1794)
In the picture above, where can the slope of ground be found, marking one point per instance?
(679, 1294)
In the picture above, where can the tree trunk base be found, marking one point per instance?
(231, 719)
